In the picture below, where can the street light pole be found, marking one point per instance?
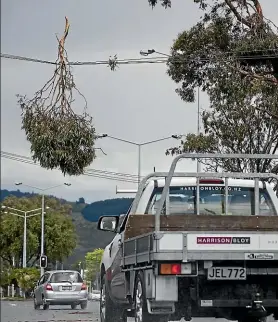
(42, 210)
(42, 232)
(139, 164)
(198, 126)
(24, 241)
(139, 145)
(24, 216)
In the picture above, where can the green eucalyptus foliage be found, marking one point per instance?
(232, 55)
(59, 139)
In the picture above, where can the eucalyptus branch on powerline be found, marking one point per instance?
(59, 137)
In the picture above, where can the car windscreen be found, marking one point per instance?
(182, 200)
(72, 277)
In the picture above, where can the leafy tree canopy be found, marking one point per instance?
(26, 278)
(232, 55)
(60, 236)
(93, 260)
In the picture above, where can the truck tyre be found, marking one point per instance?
(45, 305)
(83, 305)
(108, 311)
(140, 301)
(36, 305)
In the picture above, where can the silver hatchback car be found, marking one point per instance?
(61, 287)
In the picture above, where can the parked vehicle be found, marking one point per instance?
(194, 245)
(61, 287)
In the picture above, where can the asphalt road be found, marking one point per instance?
(24, 312)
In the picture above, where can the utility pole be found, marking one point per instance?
(139, 164)
(198, 125)
(24, 241)
(42, 232)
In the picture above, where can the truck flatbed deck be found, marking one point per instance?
(141, 224)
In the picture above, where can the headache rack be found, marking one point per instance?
(144, 233)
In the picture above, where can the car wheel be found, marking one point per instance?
(73, 306)
(108, 311)
(45, 305)
(141, 310)
(84, 305)
(36, 305)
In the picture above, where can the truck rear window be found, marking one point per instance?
(212, 201)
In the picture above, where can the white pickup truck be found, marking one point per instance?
(194, 245)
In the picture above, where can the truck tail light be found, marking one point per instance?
(48, 287)
(170, 269)
(83, 287)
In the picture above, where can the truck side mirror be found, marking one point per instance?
(108, 223)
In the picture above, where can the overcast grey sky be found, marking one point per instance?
(137, 102)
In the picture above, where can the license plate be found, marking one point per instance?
(66, 288)
(226, 273)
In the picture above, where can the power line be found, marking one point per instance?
(153, 60)
(24, 159)
(93, 63)
(101, 176)
(3, 153)
(109, 175)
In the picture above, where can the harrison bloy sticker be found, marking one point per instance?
(223, 240)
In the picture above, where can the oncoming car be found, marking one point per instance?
(60, 288)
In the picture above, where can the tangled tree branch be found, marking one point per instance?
(59, 137)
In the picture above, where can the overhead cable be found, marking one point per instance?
(89, 172)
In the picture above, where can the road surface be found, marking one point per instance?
(24, 312)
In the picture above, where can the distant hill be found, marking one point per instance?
(84, 217)
(108, 207)
(90, 212)
(19, 194)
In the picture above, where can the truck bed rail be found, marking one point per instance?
(169, 175)
(142, 224)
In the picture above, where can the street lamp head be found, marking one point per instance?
(102, 136)
(18, 183)
(177, 137)
(147, 52)
(67, 184)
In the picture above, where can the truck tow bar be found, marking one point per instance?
(256, 311)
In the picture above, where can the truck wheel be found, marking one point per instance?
(84, 305)
(36, 305)
(108, 311)
(141, 310)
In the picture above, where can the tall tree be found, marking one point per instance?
(60, 236)
(93, 260)
(232, 55)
